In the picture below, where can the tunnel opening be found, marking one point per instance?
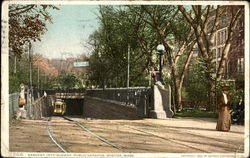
(74, 106)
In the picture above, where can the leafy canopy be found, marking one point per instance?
(27, 23)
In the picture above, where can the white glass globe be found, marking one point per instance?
(160, 48)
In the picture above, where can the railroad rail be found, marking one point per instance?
(50, 133)
(60, 146)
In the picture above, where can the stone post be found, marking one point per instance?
(161, 100)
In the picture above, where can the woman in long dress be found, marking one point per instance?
(224, 107)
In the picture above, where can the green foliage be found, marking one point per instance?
(236, 95)
(197, 82)
(123, 26)
(19, 73)
(229, 85)
(195, 112)
(180, 64)
(68, 81)
(109, 60)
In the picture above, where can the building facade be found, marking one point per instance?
(234, 69)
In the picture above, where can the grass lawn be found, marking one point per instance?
(195, 112)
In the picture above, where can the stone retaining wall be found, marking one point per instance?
(103, 109)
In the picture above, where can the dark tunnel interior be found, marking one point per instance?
(74, 106)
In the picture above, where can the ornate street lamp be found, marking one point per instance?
(160, 49)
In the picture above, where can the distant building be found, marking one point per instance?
(234, 69)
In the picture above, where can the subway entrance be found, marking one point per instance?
(74, 106)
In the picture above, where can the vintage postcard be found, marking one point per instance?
(125, 79)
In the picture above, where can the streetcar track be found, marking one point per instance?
(95, 135)
(149, 133)
(61, 147)
(157, 136)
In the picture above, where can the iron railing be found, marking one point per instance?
(135, 97)
(13, 104)
(36, 108)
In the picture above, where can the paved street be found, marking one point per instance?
(176, 135)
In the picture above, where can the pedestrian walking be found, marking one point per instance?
(21, 113)
(224, 106)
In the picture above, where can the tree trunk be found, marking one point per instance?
(178, 94)
(173, 105)
(211, 97)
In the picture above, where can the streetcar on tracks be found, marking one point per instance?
(59, 107)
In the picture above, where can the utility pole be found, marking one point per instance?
(30, 67)
(38, 77)
(30, 115)
(128, 66)
(14, 64)
(128, 99)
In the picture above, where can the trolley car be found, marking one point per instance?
(59, 107)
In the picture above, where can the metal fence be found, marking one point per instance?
(13, 104)
(54, 91)
(42, 107)
(35, 108)
(137, 97)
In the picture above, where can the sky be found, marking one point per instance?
(69, 32)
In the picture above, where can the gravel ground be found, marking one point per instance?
(175, 135)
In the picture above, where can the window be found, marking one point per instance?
(222, 37)
(224, 20)
(214, 41)
(240, 65)
(218, 38)
(219, 52)
(214, 53)
(225, 35)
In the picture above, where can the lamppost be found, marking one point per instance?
(160, 49)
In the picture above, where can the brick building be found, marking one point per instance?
(234, 69)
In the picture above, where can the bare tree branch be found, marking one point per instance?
(187, 16)
(233, 23)
(25, 9)
(187, 63)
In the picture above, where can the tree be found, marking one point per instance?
(196, 83)
(43, 64)
(67, 81)
(110, 47)
(177, 38)
(143, 28)
(205, 21)
(27, 23)
(19, 72)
